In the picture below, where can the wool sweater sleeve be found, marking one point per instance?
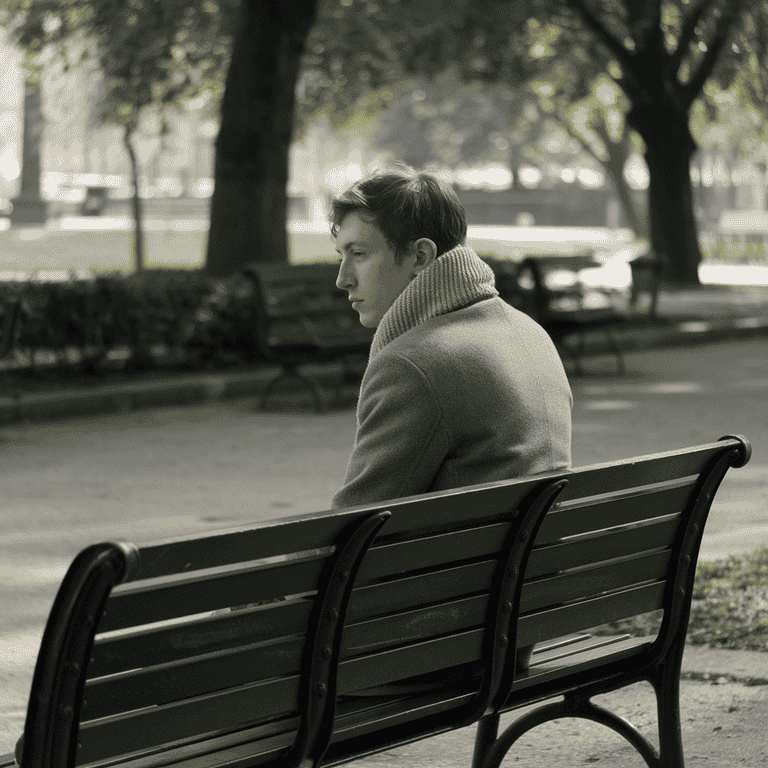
(401, 438)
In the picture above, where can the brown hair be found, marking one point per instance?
(405, 205)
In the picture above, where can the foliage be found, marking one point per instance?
(729, 608)
(135, 321)
(730, 603)
(660, 54)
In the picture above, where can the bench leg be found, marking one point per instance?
(577, 706)
(616, 349)
(485, 737)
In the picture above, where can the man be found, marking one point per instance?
(460, 387)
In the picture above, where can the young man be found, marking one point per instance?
(460, 387)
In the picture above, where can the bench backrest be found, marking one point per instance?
(288, 295)
(340, 615)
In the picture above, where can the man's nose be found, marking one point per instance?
(345, 279)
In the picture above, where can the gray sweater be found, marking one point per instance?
(460, 389)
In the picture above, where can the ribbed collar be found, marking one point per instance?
(456, 279)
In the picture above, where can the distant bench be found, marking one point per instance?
(555, 297)
(302, 318)
(362, 629)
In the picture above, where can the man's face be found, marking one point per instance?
(368, 270)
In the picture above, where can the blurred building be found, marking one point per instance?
(177, 164)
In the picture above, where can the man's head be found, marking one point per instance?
(388, 228)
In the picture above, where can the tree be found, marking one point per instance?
(661, 53)
(249, 204)
(149, 54)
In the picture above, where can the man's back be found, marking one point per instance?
(475, 395)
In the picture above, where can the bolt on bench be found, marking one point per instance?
(361, 629)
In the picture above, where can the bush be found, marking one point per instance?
(184, 314)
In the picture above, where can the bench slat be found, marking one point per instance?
(248, 705)
(538, 626)
(413, 516)
(592, 549)
(175, 642)
(143, 602)
(565, 520)
(619, 476)
(590, 582)
(390, 666)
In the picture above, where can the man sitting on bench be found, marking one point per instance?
(460, 388)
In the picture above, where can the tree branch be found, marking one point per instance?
(695, 85)
(687, 33)
(596, 25)
(558, 117)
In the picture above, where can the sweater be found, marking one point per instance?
(460, 389)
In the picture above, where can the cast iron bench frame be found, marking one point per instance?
(303, 318)
(560, 323)
(361, 629)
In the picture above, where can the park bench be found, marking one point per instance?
(357, 630)
(303, 318)
(552, 294)
(9, 330)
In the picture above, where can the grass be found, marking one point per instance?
(729, 608)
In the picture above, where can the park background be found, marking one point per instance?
(542, 163)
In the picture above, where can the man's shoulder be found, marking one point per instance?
(474, 323)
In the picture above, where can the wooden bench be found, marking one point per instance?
(302, 318)
(9, 330)
(553, 295)
(358, 630)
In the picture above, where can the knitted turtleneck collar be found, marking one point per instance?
(456, 279)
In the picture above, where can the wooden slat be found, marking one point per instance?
(654, 468)
(392, 560)
(544, 625)
(166, 598)
(193, 677)
(412, 516)
(246, 706)
(569, 520)
(415, 514)
(613, 652)
(197, 593)
(167, 643)
(221, 712)
(583, 551)
(171, 642)
(196, 676)
(237, 666)
(582, 584)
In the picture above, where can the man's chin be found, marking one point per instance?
(368, 322)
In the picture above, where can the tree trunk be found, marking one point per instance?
(138, 226)
(669, 148)
(249, 203)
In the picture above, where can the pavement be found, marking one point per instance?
(724, 694)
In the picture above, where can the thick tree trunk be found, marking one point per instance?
(138, 224)
(669, 148)
(249, 203)
(674, 233)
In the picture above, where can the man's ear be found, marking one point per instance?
(426, 253)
